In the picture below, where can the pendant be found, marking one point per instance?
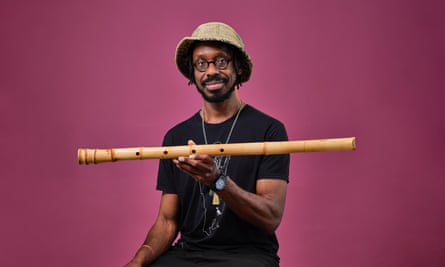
(215, 200)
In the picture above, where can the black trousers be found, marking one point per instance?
(214, 258)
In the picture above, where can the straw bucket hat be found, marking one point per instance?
(213, 31)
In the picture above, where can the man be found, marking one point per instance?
(222, 211)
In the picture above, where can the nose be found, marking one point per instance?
(211, 69)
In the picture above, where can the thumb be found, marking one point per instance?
(190, 142)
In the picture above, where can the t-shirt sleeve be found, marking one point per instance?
(166, 172)
(275, 166)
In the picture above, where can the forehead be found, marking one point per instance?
(210, 49)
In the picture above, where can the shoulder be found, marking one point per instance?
(264, 125)
(254, 113)
(178, 133)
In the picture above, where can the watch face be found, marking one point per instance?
(220, 184)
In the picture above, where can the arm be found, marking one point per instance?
(161, 235)
(264, 209)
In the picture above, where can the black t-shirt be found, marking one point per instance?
(204, 225)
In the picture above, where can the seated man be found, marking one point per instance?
(225, 209)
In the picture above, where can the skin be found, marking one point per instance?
(264, 209)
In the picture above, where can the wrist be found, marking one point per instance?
(144, 255)
(149, 248)
(220, 183)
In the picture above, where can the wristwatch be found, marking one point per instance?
(220, 183)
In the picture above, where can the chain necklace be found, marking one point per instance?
(222, 164)
(231, 128)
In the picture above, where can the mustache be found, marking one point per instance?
(216, 78)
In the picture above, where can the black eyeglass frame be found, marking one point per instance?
(206, 63)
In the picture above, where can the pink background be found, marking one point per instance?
(101, 74)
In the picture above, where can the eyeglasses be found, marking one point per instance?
(220, 63)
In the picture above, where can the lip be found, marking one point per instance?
(214, 85)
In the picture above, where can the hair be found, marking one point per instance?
(237, 60)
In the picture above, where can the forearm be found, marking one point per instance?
(158, 240)
(264, 211)
(264, 208)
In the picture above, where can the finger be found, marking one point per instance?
(201, 157)
(189, 165)
(190, 142)
(196, 168)
(200, 162)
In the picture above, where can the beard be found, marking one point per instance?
(215, 98)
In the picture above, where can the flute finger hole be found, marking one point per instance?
(137, 153)
(221, 150)
(193, 151)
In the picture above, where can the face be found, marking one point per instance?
(213, 83)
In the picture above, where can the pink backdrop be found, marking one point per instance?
(101, 74)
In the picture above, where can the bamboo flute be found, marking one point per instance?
(95, 156)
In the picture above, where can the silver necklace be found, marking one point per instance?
(222, 164)
(231, 128)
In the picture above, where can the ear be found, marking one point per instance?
(240, 71)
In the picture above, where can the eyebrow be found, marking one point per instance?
(218, 55)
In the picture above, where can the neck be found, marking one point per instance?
(219, 112)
